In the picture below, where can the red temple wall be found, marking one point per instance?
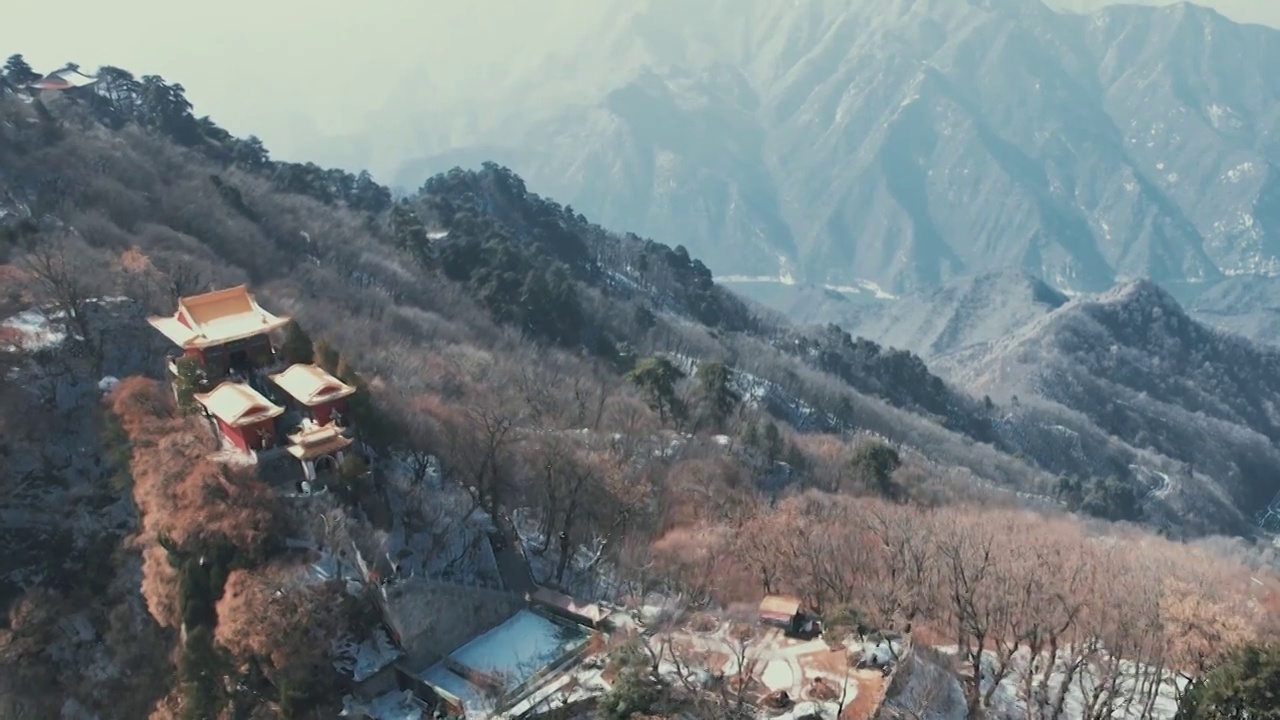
(323, 412)
(249, 437)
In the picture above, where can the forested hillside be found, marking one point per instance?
(1141, 370)
(597, 387)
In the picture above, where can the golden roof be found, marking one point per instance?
(311, 385)
(316, 440)
(237, 404)
(217, 317)
(312, 434)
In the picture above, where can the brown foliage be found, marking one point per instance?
(270, 614)
(698, 490)
(168, 707)
(1004, 584)
(181, 493)
(133, 260)
(159, 585)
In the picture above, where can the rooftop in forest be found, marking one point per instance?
(311, 385)
(779, 608)
(497, 667)
(63, 79)
(238, 404)
(315, 440)
(215, 318)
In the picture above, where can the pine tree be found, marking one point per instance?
(165, 107)
(1247, 685)
(368, 195)
(201, 670)
(352, 474)
(635, 690)
(773, 445)
(343, 371)
(18, 72)
(120, 87)
(296, 345)
(657, 377)
(410, 233)
(874, 464)
(189, 381)
(251, 154)
(715, 383)
(325, 356)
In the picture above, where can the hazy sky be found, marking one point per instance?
(1266, 12)
(246, 62)
(292, 71)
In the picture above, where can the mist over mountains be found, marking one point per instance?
(900, 144)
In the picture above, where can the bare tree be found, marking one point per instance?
(578, 481)
(1056, 651)
(591, 398)
(548, 456)
(478, 446)
(66, 283)
(538, 382)
(182, 277)
(745, 661)
(1124, 623)
(757, 545)
(903, 581)
(967, 553)
(635, 569)
(845, 679)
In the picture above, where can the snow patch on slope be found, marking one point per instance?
(860, 286)
(31, 330)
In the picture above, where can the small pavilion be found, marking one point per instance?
(317, 445)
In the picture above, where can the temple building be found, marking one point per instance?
(228, 335)
(225, 330)
(314, 393)
(68, 78)
(245, 418)
(318, 446)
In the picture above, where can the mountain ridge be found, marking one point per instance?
(1142, 370)
(1060, 144)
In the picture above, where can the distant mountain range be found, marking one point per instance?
(896, 144)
